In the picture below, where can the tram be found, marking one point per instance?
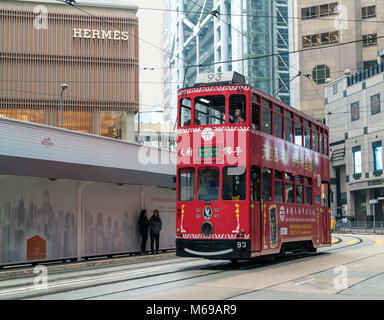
(252, 173)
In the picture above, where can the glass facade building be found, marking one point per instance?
(248, 36)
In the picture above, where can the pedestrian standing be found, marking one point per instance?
(143, 228)
(155, 226)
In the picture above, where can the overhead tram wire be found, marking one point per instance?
(266, 16)
(275, 54)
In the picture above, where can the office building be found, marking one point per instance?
(340, 35)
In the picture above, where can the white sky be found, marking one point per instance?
(150, 30)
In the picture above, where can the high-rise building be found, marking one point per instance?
(91, 47)
(355, 117)
(250, 37)
(340, 35)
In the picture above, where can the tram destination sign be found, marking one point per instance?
(208, 152)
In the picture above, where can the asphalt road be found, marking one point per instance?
(352, 269)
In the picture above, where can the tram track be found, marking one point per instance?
(112, 278)
(251, 264)
(312, 275)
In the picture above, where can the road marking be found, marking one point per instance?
(378, 242)
(305, 281)
(351, 242)
(335, 241)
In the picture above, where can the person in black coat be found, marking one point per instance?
(155, 226)
(143, 228)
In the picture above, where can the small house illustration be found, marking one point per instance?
(36, 248)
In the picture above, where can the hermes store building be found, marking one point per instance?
(93, 48)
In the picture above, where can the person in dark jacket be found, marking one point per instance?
(155, 226)
(143, 228)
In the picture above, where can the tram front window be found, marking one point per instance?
(209, 110)
(208, 184)
(234, 183)
(186, 184)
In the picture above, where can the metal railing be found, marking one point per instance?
(359, 227)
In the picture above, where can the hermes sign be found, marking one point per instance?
(100, 34)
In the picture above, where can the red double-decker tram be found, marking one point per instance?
(252, 173)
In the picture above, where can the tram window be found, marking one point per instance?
(299, 190)
(315, 141)
(324, 195)
(267, 120)
(208, 184)
(326, 144)
(307, 137)
(266, 181)
(256, 116)
(255, 98)
(266, 103)
(234, 183)
(298, 134)
(209, 110)
(308, 190)
(322, 143)
(288, 130)
(279, 186)
(237, 110)
(289, 192)
(278, 125)
(255, 183)
(288, 177)
(186, 184)
(185, 112)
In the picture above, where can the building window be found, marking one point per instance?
(377, 156)
(375, 104)
(369, 63)
(368, 12)
(320, 73)
(355, 111)
(356, 151)
(318, 11)
(370, 39)
(320, 39)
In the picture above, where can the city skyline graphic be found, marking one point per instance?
(37, 212)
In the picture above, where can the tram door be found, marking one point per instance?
(255, 208)
(326, 215)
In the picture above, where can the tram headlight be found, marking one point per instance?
(206, 228)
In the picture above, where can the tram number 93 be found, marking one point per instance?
(241, 245)
(215, 76)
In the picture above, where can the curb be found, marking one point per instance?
(28, 270)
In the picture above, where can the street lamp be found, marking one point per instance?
(63, 87)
